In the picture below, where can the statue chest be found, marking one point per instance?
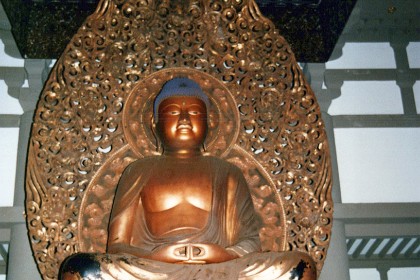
(177, 199)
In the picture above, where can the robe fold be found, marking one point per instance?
(232, 224)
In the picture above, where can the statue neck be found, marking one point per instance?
(182, 153)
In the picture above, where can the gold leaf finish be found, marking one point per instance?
(94, 115)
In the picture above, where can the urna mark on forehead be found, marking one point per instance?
(180, 87)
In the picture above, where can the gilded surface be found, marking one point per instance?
(87, 124)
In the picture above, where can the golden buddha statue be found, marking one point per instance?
(184, 214)
(93, 122)
(183, 207)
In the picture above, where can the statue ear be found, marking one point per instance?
(153, 127)
(153, 122)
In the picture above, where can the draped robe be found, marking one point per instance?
(232, 221)
(232, 224)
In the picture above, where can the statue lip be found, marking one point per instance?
(184, 127)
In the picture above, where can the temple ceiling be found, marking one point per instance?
(42, 28)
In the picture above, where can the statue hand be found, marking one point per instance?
(209, 253)
(192, 253)
(169, 253)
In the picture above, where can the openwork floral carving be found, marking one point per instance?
(81, 137)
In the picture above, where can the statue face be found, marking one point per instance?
(182, 123)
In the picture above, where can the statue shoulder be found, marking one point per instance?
(225, 165)
(134, 171)
(140, 165)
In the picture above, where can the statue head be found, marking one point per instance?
(180, 116)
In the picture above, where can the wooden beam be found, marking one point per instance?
(377, 213)
(4, 235)
(375, 262)
(375, 121)
(11, 215)
(382, 230)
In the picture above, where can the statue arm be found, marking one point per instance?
(125, 209)
(121, 248)
(241, 222)
(247, 229)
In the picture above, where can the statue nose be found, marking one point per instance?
(184, 117)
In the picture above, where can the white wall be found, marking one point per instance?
(364, 56)
(9, 135)
(376, 164)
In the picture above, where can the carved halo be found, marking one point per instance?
(223, 130)
(80, 145)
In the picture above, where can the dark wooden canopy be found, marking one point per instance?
(42, 28)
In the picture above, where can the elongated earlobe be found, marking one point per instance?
(159, 146)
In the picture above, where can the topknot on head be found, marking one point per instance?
(180, 87)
